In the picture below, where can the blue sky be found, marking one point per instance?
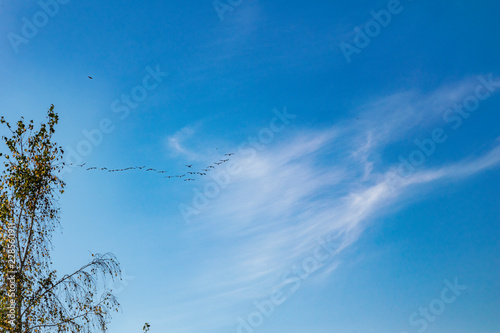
(363, 192)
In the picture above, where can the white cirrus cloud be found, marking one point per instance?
(330, 182)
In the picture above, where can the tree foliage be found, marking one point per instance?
(33, 298)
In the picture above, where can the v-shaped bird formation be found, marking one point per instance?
(203, 172)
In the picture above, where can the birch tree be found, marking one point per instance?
(33, 296)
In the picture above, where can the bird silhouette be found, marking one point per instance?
(90, 77)
(204, 173)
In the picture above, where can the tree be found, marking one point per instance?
(32, 296)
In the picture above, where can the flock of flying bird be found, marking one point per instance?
(203, 172)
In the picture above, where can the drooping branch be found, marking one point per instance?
(100, 261)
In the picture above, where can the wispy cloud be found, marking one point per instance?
(318, 184)
(176, 142)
